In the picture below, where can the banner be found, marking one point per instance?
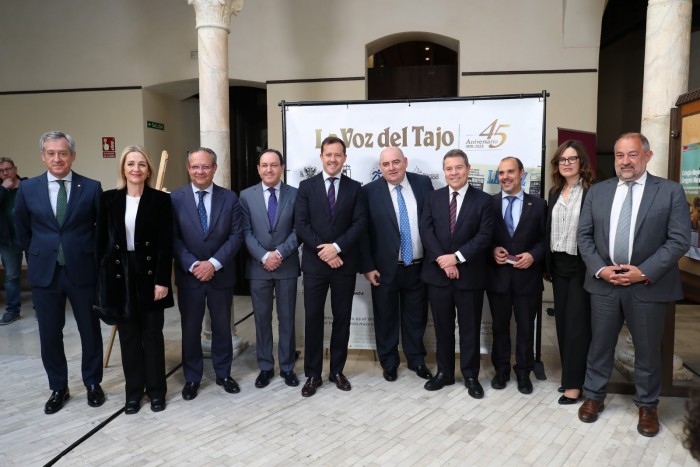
(486, 128)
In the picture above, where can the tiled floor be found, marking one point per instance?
(377, 423)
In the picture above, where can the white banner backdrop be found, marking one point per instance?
(487, 129)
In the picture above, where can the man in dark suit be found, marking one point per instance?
(206, 237)
(272, 266)
(392, 256)
(55, 215)
(633, 230)
(330, 217)
(10, 248)
(456, 228)
(515, 274)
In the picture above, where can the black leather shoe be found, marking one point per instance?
(524, 384)
(499, 381)
(189, 392)
(439, 381)
(95, 396)
(157, 405)
(131, 407)
(474, 388)
(390, 373)
(423, 372)
(563, 400)
(264, 378)
(56, 401)
(290, 378)
(310, 386)
(340, 381)
(561, 389)
(230, 385)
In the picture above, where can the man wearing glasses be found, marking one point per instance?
(10, 250)
(206, 237)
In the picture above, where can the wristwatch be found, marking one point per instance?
(457, 258)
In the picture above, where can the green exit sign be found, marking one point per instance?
(155, 125)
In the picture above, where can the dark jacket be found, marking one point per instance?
(7, 234)
(153, 253)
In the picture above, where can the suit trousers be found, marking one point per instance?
(401, 307)
(192, 303)
(50, 306)
(143, 354)
(316, 287)
(524, 307)
(572, 314)
(262, 293)
(469, 304)
(645, 321)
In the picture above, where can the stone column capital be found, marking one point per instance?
(215, 13)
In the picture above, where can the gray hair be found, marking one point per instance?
(639, 136)
(51, 135)
(201, 149)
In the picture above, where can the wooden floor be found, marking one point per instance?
(377, 423)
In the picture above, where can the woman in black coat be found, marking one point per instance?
(571, 178)
(134, 248)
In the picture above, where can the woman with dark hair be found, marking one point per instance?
(571, 178)
(134, 248)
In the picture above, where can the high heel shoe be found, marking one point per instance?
(563, 400)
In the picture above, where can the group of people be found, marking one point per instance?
(610, 250)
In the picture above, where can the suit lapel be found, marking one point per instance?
(525, 212)
(651, 187)
(387, 203)
(282, 201)
(43, 192)
(217, 205)
(76, 190)
(141, 212)
(498, 208)
(608, 197)
(191, 207)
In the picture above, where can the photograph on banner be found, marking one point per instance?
(690, 181)
(486, 129)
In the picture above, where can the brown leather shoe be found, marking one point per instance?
(340, 381)
(589, 410)
(310, 386)
(648, 422)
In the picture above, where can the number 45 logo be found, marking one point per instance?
(494, 132)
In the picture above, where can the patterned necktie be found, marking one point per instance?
(331, 194)
(272, 207)
(622, 235)
(404, 228)
(508, 217)
(202, 211)
(453, 212)
(61, 204)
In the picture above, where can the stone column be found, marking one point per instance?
(213, 27)
(666, 59)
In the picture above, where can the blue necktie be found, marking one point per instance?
(202, 211)
(509, 215)
(404, 228)
(622, 235)
(331, 194)
(272, 207)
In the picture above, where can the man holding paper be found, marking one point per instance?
(515, 274)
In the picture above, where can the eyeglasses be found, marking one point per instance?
(205, 168)
(568, 160)
(8, 169)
